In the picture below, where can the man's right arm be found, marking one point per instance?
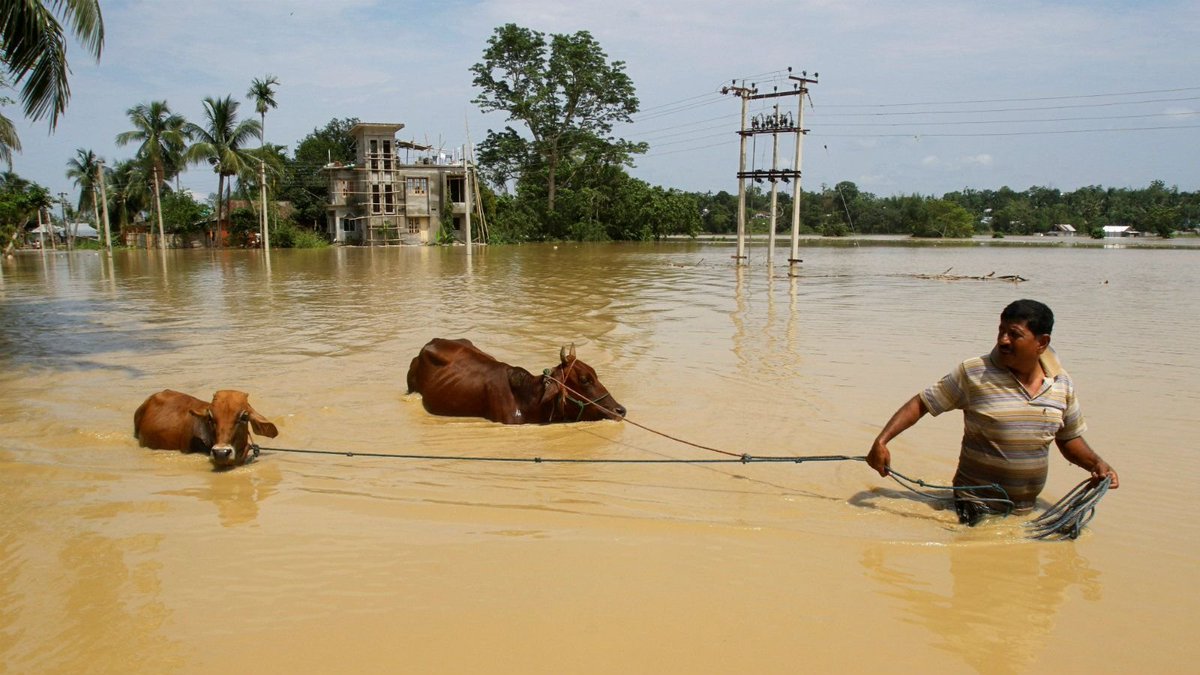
(880, 457)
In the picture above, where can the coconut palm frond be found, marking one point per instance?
(33, 49)
(9, 141)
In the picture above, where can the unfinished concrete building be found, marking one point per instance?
(396, 192)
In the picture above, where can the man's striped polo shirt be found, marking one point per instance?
(1006, 432)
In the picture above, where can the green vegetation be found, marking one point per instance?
(567, 169)
(19, 202)
(1155, 209)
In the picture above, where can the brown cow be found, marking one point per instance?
(454, 377)
(171, 420)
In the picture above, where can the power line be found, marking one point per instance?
(1012, 100)
(1009, 133)
(1013, 121)
(1022, 109)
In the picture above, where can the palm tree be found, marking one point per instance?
(9, 140)
(82, 170)
(127, 195)
(220, 143)
(263, 95)
(33, 54)
(162, 138)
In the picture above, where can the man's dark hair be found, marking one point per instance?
(1034, 314)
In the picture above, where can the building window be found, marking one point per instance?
(348, 225)
(417, 186)
(389, 204)
(457, 187)
(414, 227)
(375, 199)
(387, 156)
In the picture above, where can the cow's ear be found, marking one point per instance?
(519, 378)
(203, 412)
(262, 426)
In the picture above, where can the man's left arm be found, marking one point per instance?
(1078, 452)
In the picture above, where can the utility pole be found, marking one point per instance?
(162, 238)
(62, 205)
(467, 197)
(41, 229)
(775, 125)
(774, 191)
(743, 93)
(794, 257)
(104, 205)
(263, 225)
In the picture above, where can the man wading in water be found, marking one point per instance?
(1015, 400)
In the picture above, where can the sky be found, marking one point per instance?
(919, 96)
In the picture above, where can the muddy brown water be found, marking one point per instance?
(116, 558)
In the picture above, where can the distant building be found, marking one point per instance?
(1120, 231)
(1062, 230)
(380, 200)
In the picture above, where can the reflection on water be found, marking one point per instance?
(997, 607)
(237, 495)
(101, 539)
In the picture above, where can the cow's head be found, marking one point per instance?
(230, 418)
(582, 398)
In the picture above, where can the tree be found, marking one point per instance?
(302, 182)
(568, 96)
(262, 92)
(33, 52)
(220, 143)
(19, 203)
(126, 190)
(82, 170)
(182, 213)
(162, 138)
(944, 219)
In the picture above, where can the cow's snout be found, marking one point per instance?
(222, 454)
(620, 410)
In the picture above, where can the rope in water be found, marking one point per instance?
(740, 459)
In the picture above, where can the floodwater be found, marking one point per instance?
(117, 558)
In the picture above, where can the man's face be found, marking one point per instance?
(1017, 346)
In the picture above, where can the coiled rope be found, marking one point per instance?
(1067, 518)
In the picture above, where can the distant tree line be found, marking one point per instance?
(844, 209)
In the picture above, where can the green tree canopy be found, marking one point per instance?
(568, 96)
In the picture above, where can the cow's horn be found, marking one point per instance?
(564, 355)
